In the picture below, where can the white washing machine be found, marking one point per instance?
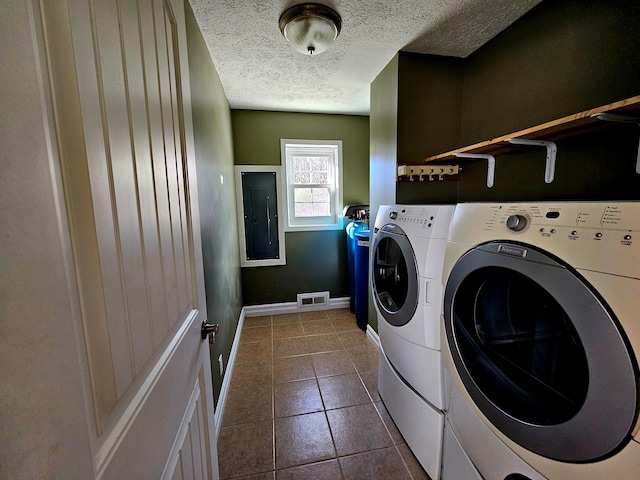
(406, 274)
(541, 333)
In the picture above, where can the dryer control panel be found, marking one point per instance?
(429, 221)
(601, 236)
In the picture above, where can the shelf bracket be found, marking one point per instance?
(612, 117)
(491, 165)
(550, 167)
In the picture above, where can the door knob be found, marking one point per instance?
(209, 330)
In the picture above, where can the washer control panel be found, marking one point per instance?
(591, 218)
(606, 234)
(413, 216)
(429, 221)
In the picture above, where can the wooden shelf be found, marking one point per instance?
(544, 135)
(551, 131)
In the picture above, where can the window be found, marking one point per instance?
(313, 184)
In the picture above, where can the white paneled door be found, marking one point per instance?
(104, 372)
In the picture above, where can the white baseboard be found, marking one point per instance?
(373, 337)
(288, 307)
(226, 381)
(342, 302)
(270, 309)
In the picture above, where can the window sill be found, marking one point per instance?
(312, 228)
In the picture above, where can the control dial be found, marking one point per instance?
(516, 223)
(393, 215)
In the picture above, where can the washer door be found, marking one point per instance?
(394, 276)
(539, 352)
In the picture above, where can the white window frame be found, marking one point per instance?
(244, 261)
(291, 147)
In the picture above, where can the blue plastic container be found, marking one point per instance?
(361, 264)
(351, 229)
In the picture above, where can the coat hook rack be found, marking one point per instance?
(431, 172)
(491, 165)
(550, 167)
(612, 117)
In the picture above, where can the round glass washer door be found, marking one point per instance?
(394, 275)
(540, 353)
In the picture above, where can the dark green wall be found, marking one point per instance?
(316, 261)
(383, 132)
(429, 102)
(561, 58)
(383, 137)
(214, 160)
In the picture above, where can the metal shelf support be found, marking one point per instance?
(612, 117)
(552, 150)
(491, 165)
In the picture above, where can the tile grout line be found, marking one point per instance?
(324, 407)
(370, 400)
(326, 416)
(404, 462)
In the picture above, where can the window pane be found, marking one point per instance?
(303, 210)
(312, 202)
(319, 177)
(301, 178)
(320, 195)
(321, 209)
(301, 164)
(303, 195)
(309, 170)
(319, 164)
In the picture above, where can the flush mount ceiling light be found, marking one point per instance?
(310, 28)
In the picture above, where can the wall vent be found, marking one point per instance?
(313, 301)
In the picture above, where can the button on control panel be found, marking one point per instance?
(408, 217)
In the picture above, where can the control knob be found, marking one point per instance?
(393, 215)
(516, 223)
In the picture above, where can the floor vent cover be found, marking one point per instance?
(313, 301)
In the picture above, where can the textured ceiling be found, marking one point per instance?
(259, 70)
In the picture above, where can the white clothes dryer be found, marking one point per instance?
(541, 334)
(406, 274)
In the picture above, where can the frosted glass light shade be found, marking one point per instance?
(310, 28)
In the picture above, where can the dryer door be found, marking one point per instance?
(539, 352)
(394, 275)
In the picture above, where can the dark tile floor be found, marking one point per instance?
(303, 404)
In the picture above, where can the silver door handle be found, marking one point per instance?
(209, 330)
